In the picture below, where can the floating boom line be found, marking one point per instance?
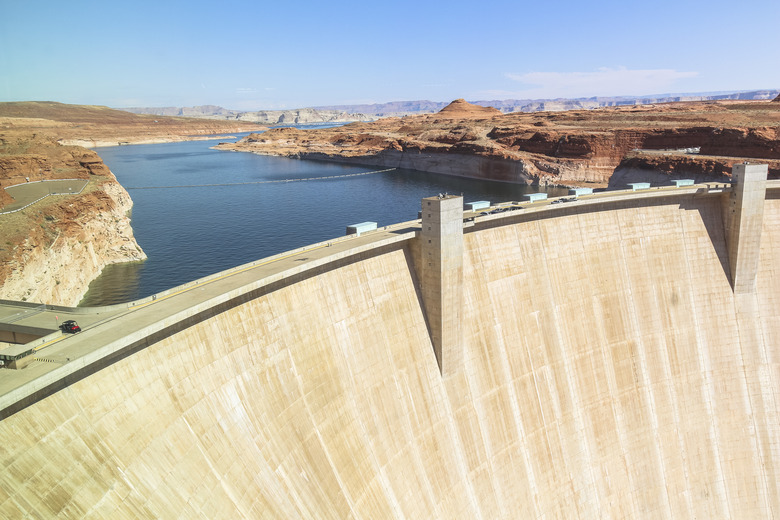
(278, 181)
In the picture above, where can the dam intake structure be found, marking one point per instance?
(614, 356)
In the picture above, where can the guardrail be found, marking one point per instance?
(256, 263)
(38, 307)
(15, 353)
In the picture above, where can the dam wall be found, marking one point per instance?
(608, 371)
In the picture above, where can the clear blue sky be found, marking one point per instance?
(252, 55)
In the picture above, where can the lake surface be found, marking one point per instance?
(192, 230)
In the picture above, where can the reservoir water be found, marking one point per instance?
(189, 230)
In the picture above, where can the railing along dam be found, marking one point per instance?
(612, 358)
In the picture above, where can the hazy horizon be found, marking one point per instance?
(641, 96)
(271, 56)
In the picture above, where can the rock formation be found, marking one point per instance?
(402, 108)
(569, 148)
(79, 236)
(461, 109)
(369, 112)
(102, 126)
(267, 117)
(54, 248)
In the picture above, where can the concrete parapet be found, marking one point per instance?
(580, 191)
(363, 227)
(743, 220)
(480, 204)
(441, 282)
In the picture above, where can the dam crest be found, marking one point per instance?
(613, 356)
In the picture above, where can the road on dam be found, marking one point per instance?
(106, 331)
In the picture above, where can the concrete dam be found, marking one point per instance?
(610, 357)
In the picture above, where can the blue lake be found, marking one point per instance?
(191, 232)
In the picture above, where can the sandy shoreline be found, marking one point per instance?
(101, 143)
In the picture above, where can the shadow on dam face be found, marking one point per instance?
(711, 216)
(609, 371)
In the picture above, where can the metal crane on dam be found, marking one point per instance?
(613, 356)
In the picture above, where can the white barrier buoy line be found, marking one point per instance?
(277, 181)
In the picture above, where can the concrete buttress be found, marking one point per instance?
(743, 220)
(441, 241)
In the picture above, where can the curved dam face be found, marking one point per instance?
(609, 371)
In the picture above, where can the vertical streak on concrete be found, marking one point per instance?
(441, 243)
(744, 216)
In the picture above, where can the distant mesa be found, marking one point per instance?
(266, 117)
(461, 108)
(369, 112)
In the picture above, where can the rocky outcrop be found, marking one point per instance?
(53, 249)
(75, 239)
(569, 148)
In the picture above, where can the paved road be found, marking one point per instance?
(28, 193)
(109, 330)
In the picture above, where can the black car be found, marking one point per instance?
(70, 326)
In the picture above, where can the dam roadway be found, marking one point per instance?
(610, 367)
